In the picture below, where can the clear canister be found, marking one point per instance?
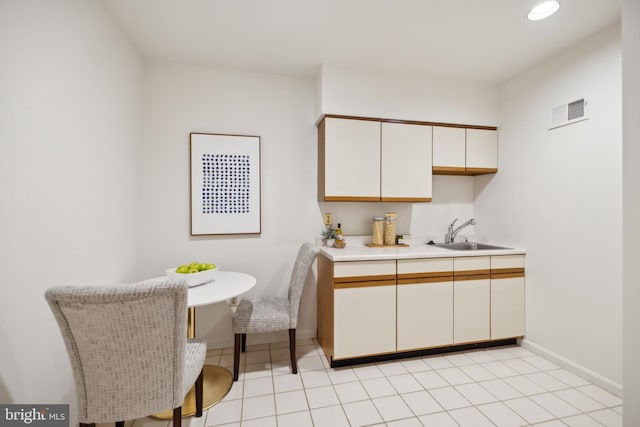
(378, 230)
(390, 228)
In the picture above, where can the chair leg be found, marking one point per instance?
(292, 350)
(199, 390)
(244, 342)
(236, 356)
(177, 416)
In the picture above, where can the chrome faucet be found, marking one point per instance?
(451, 233)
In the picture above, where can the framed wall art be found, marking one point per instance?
(225, 184)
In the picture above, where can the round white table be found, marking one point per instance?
(225, 285)
(217, 380)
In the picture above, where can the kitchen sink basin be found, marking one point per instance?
(468, 246)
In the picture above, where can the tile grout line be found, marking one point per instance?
(412, 375)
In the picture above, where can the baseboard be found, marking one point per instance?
(579, 370)
(264, 338)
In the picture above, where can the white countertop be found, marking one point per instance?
(357, 251)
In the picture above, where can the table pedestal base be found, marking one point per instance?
(217, 383)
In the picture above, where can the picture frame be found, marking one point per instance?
(225, 184)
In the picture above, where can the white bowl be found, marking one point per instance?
(194, 279)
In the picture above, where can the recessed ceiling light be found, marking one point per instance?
(544, 10)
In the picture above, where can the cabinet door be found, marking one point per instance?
(364, 320)
(448, 149)
(351, 159)
(471, 310)
(406, 162)
(471, 299)
(482, 149)
(425, 315)
(425, 303)
(507, 308)
(507, 296)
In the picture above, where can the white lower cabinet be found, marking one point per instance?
(507, 296)
(365, 320)
(507, 308)
(371, 308)
(425, 315)
(425, 303)
(471, 311)
(471, 299)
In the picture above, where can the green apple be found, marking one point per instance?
(183, 269)
(193, 270)
(209, 266)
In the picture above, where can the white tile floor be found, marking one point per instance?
(504, 386)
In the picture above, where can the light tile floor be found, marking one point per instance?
(503, 386)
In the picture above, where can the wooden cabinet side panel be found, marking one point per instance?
(325, 306)
(321, 165)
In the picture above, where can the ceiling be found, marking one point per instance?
(477, 40)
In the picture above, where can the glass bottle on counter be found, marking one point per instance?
(339, 232)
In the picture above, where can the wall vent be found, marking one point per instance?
(570, 113)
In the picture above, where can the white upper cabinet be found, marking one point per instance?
(371, 160)
(406, 162)
(351, 158)
(448, 149)
(460, 151)
(482, 150)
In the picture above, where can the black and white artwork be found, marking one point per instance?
(225, 184)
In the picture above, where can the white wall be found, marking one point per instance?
(631, 207)
(69, 178)
(558, 194)
(179, 99)
(360, 92)
(357, 92)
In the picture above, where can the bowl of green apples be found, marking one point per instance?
(194, 273)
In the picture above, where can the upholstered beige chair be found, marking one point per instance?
(129, 350)
(271, 314)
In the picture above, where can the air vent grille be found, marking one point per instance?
(569, 113)
(576, 110)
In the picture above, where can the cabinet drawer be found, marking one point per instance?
(507, 266)
(364, 270)
(507, 261)
(472, 263)
(465, 268)
(426, 265)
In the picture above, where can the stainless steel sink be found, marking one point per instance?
(468, 246)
